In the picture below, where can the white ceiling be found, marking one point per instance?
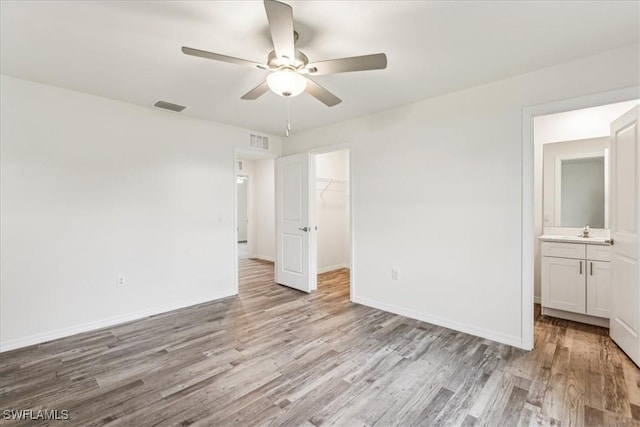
(130, 50)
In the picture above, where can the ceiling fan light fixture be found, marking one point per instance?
(289, 66)
(286, 82)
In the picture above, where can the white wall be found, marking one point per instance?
(93, 188)
(437, 193)
(332, 210)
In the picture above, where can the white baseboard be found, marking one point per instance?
(446, 323)
(537, 299)
(576, 317)
(332, 268)
(111, 321)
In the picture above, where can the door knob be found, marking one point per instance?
(304, 229)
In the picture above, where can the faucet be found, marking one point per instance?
(585, 231)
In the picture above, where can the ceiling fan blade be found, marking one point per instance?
(223, 58)
(280, 17)
(321, 94)
(256, 92)
(377, 61)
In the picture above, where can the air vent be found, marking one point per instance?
(240, 165)
(169, 106)
(258, 141)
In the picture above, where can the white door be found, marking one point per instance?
(625, 210)
(296, 262)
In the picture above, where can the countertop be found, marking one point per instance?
(605, 241)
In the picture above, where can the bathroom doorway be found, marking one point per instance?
(566, 130)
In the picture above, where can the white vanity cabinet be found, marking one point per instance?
(576, 280)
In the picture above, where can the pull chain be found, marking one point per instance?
(288, 128)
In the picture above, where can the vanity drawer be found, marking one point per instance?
(598, 252)
(564, 250)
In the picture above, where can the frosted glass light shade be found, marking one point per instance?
(286, 83)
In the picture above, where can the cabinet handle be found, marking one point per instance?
(580, 267)
(591, 269)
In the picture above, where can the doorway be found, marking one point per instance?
(333, 217)
(254, 218)
(242, 184)
(314, 206)
(547, 124)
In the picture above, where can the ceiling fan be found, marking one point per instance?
(290, 69)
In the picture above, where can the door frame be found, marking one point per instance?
(257, 155)
(249, 183)
(352, 270)
(528, 195)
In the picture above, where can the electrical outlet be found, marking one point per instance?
(120, 282)
(395, 274)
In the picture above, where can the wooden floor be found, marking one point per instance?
(275, 356)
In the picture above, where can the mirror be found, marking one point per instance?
(575, 184)
(580, 192)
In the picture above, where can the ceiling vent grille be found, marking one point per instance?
(258, 141)
(169, 106)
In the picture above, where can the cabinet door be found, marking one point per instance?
(598, 288)
(563, 284)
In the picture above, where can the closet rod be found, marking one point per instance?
(329, 182)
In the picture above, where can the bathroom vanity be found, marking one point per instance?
(575, 273)
(576, 278)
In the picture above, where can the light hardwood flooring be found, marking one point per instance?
(275, 356)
